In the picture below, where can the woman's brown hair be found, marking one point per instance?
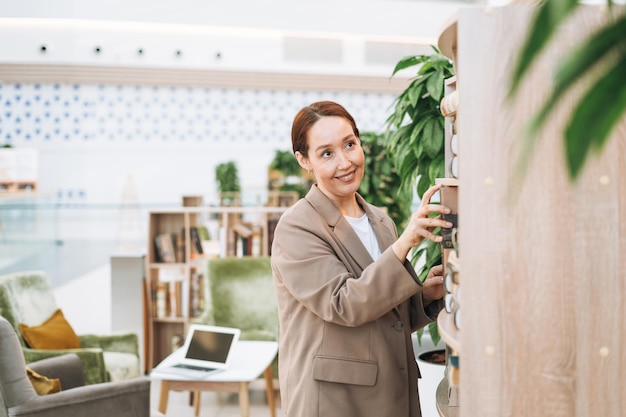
(306, 118)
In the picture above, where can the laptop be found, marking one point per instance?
(207, 350)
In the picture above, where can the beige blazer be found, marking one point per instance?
(345, 321)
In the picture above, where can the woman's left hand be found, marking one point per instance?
(433, 285)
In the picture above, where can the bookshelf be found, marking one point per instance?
(175, 271)
(541, 266)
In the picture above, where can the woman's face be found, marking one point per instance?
(335, 157)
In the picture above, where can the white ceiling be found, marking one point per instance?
(412, 18)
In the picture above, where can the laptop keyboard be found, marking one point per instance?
(189, 371)
(195, 368)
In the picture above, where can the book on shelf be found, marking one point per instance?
(168, 295)
(176, 296)
(196, 294)
(203, 233)
(196, 243)
(243, 239)
(242, 230)
(165, 248)
(256, 241)
(180, 247)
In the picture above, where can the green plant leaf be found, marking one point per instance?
(416, 92)
(433, 137)
(407, 62)
(435, 85)
(544, 24)
(416, 131)
(433, 329)
(436, 168)
(595, 116)
(578, 63)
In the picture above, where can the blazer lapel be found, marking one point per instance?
(385, 235)
(344, 231)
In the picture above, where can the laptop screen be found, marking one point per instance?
(209, 346)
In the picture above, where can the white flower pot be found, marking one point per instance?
(432, 374)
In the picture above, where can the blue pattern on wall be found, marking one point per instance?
(37, 114)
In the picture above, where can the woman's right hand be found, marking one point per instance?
(421, 225)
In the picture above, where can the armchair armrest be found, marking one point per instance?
(94, 369)
(68, 368)
(129, 398)
(123, 342)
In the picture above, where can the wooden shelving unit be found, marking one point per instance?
(542, 260)
(184, 277)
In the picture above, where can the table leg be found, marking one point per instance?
(196, 403)
(244, 399)
(164, 396)
(269, 389)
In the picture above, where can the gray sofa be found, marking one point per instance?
(130, 398)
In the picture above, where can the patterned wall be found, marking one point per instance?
(104, 145)
(39, 114)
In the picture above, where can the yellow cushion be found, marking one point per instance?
(54, 333)
(43, 385)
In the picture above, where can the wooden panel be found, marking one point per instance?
(543, 280)
(181, 77)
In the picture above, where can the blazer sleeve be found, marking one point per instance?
(318, 271)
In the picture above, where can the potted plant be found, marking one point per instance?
(228, 187)
(415, 139)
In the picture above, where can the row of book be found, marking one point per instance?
(173, 296)
(171, 248)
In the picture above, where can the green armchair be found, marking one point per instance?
(27, 298)
(240, 293)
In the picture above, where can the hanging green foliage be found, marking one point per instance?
(602, 106)
(415, 140)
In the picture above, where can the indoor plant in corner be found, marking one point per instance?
(415, 139)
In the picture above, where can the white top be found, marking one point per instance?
(249, 361)
(364, 230)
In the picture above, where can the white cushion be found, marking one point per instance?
(121, 365)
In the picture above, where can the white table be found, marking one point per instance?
(250, 359)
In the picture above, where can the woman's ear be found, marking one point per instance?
(303, 161)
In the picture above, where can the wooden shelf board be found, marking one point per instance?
(448, 182)
(448, 331)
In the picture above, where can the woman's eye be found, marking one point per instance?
(325, 154)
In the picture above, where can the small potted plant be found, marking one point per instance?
(228, 186)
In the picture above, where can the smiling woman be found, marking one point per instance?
(348, 298)
(336, 159)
